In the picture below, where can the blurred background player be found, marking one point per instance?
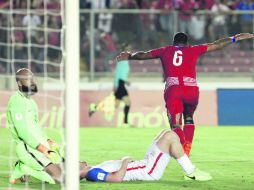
(120, 92)
(181, 92)
(39, 156)
(166, 145)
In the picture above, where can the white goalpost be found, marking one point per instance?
(72, 94)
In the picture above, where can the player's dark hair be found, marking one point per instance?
(180, 38)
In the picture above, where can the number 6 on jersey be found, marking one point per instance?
(178, 58)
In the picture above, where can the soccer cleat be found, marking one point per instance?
(21, 170)
(24, 178)
(198, 175)
(92, 109)
(54, 157)
(187, 148)
(17, 174)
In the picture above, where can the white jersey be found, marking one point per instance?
(151, 168)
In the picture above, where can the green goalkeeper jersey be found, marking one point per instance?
(23, 121)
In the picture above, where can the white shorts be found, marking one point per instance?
(157, 161)
(151, 168)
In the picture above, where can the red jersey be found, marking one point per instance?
(179, 63)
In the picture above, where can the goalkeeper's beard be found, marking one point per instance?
(29, 90)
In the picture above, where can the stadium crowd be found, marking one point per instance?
(112, 29)
(28, 30)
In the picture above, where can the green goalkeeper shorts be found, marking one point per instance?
(31, 157)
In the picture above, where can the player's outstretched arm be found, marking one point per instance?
(118, 176)
(140, 55)
(221, 43)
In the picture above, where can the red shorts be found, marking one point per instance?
(181, 99)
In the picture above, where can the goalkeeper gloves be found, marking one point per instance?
(54, 157)
(56, 148)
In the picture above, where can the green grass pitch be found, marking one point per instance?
(226, 152)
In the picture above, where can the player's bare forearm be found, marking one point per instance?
(43, 149)
(221, 43)
(141, 55)
(53, 156)
(119, 175)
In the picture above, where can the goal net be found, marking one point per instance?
(32, 35)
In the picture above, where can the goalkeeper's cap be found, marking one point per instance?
(180, 38)
(23, 73)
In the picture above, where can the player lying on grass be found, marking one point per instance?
(181, 92)
(120, 91)
(165, 146)
(38, 155)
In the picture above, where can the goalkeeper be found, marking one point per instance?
(38, 155)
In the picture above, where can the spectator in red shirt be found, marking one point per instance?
(209, 4)
(54, 4)
(186, 8)
(4, 4)
(110, 47)
(166, 18)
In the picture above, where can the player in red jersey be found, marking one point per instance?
(181, 92)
